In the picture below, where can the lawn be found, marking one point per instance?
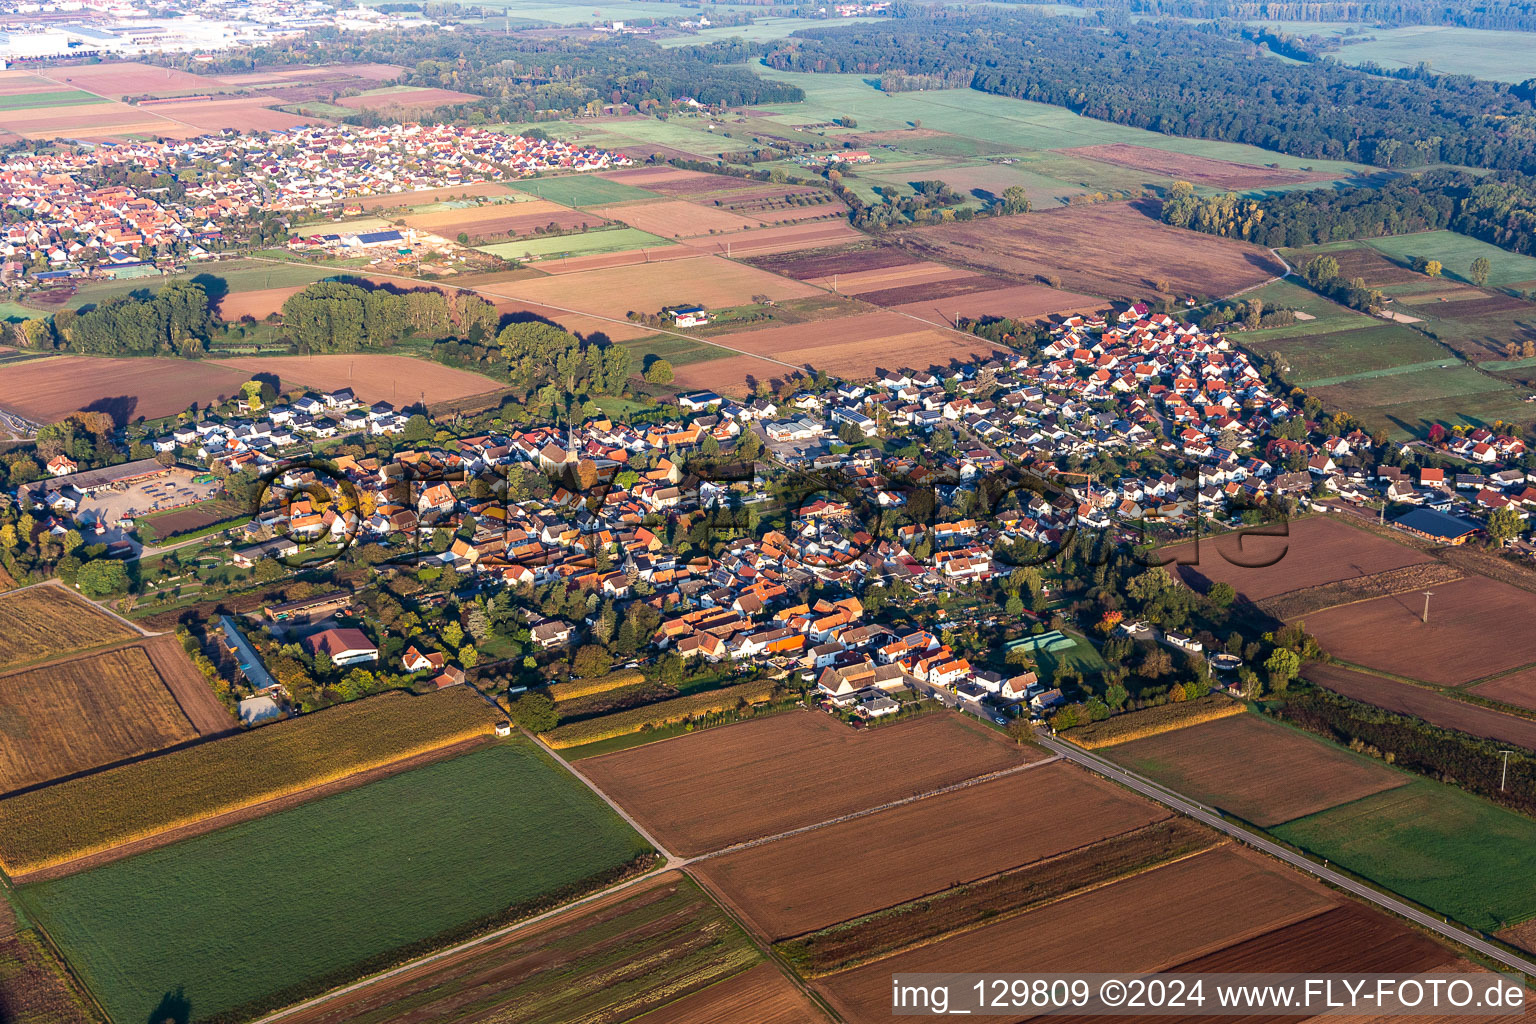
(580, 190)
(38, 100)
(1436, 845)
(1456, 252)
(677, 351)
(258, 913)
(1082, 656)
(581, 243)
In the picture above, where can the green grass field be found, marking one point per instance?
(580, 190)
(677, 351)
(1082, 656)
(582, 243)
(313, 894)
(1456, 252)
(1334, 357)
(1435, 844)
(230, 276)
(39, 100)
(1481, 53)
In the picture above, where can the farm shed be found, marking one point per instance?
(1435, 525)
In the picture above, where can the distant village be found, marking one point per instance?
(1100, 393)
(61, 221)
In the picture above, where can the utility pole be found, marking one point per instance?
(1504, 775)
(1427, 595)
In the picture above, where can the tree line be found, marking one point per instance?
(1499, 209)
(1506, 16)
(176, 320)
(1176, 79)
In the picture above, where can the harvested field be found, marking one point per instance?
(1451, 649)
(1466, 309)
(407, 99)
(74, 715)
(676, 181)
(1159, 918)
(248, 114)
(732, 375)
(1116, 250)
(780, 239)
(761, 995)
(1349, 938)
(859, 345)
(92, 120)
(260, 303)
(902, 275)
(706, 790)
(97, 812)
(1434, 708)
(129, 78)
(1199, 170)
(604, 963)
(500, 219)
(1233, 764)
(34, 988)
(713, 282)
(820, 264)
(48, 621)
(674, 218)
(194, 696)
(47, 390)
(1363, 261)
(608, 260)
(397, 200)
(1410, 578)
(1517, 688)
(1021, 302)
(920, 922)
(400, 380)
(925, 847)
(1522, 936)
(1312, 551)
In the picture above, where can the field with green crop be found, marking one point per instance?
(1482, 53)
(261, 912)
(1435, 844)
(1456, 253)
(677, 351)
(580, 190)
(217, 279)
(1316, 359)
(580, 243)
(40, 100)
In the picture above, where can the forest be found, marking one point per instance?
(537, 77)
(1520, 17)
(1176, 79)
(1499, 209)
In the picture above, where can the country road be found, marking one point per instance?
(1208, 816)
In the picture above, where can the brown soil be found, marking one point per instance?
(205, 711)
(47, 390)
(1300, 603)
(1116, 250)
(1309, 553)
(1200, 170)
(1234, 764)
(707, 790)
(923, 848)
(1455, 647)
(761, 995)
(250, 813)
(1156, 919)
(1435, 708)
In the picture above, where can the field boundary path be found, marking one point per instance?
(1170, 798)
(672, 859)
(864, 813)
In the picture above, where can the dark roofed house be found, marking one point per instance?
(1436, 525)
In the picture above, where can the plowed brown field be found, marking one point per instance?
(1407, 699)
(400, 380)
(1163, 917)
(860, 345)
(1311, 552)
(1112, 249)
(704, 791)
(674, 218)
(1234, 764)
(47, 390)
(1201, 170)
(923, 847)
(1453, 648)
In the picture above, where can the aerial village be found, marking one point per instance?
(619, 497)
(62, 221)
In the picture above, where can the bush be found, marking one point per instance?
(1137, 725)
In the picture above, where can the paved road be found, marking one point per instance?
(1200, 812)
